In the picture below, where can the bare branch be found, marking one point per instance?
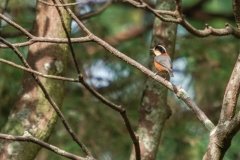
(195, 109)
(100, 97)
(121, 110)
(134, 137)
(27, 137)
(231, 94)
(33, 39)
(88, 15)
(47, 96)
(50, 40)
(69, 41)
(180, 92)
(177, 17)
(18, 27)
(10, 34)
(62, 5)
(236, 11)
(38, 73)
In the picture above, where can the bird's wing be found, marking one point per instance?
(165, 61)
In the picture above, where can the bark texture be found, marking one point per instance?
(229, 123)
(154, 111)
(236, 11)
(32, 112)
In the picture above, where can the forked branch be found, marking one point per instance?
(178, 17)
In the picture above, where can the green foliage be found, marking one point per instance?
(217, 6)
(10, 82)
(210, 63)
(99, 127)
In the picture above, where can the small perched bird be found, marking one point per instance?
(162, 61)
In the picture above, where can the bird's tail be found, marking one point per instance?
(170, 72)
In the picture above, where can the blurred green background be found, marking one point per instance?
(201, 65)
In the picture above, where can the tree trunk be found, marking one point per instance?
(32, 112)
(228, 124)
(154, 110)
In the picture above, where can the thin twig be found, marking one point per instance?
(47, 96)
(69, 41)
(75, 62)
(178, 91)
(38, 73)
(100, 97)
(123, 113)
(49, 40)
(27, 137)
(10, 34)
(134, 137)
(18, 27)
(178, 17)
(33, 39)
(91, 14)
(236, 12)
(110, 104)
(231, 95)
(62, 5)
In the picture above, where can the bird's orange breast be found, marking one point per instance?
(159, 67)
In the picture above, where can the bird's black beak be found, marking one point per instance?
(151, 50)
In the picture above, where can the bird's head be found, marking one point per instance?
(158, 50)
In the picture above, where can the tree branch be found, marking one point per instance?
(236, 12)
(179, 92)
(15, 25)
(91, 14)
(38, 73)
(48, 97)
(99, 96)
(231, 94)
(229, 123)
(27, 137)
(50, 40)
(90, 37)
(177, 17)
(62, 5)
(32, 39)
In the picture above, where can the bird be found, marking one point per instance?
(162, 60)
